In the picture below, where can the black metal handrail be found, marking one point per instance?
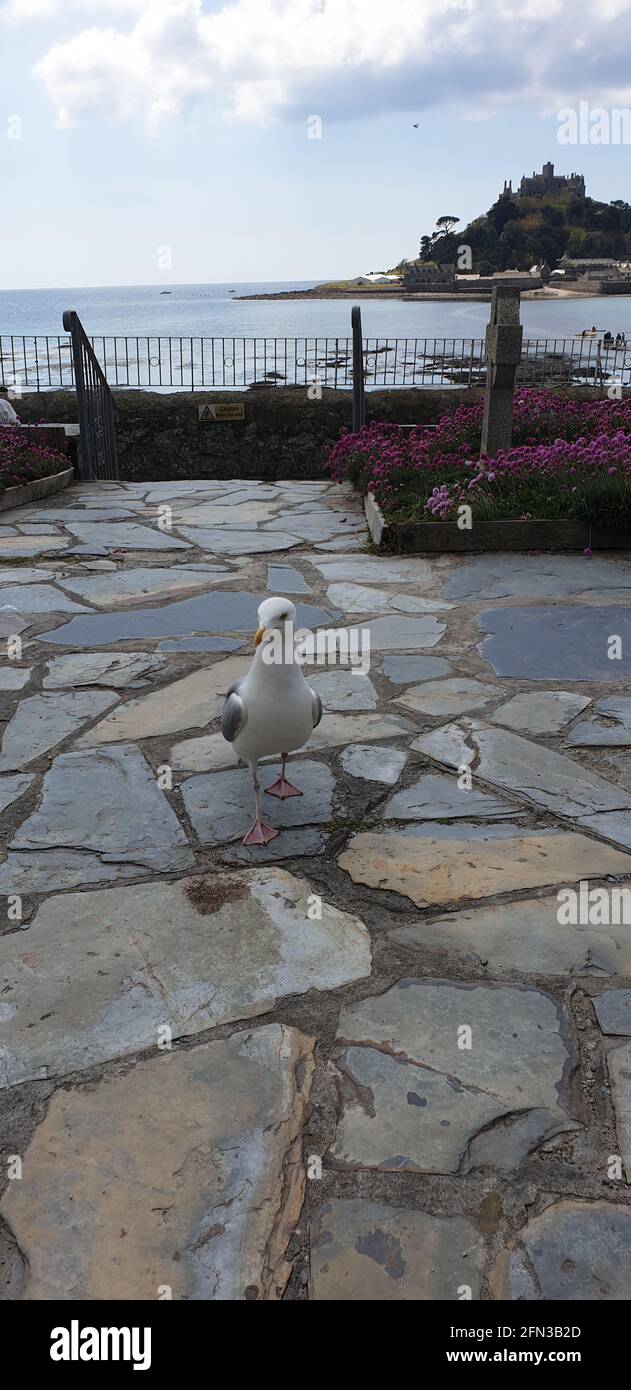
(36, 362)
(97, 434)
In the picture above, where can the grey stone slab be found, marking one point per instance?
(223, 541)
(212, 612)
(114, 669)
(14, 677)
(336, 729)
(434, 797)
(538, 774)
(362, 598)
(444, 697)
(38, 598)
(13, 787)
(568, 644)
(201, 644)
(292, 844)
(220, 804)
(284, 579)
(541, 711)
(345, 690)
(188, 703)
(209, 513)
(414, 1099)
(11, 624)
(572, 1251)
(619, 1068)
(107, 801)
(52, 870)
(190, 954)
(27, 547)
(398, 633)
(363, 1250)
(536, 576)
(613, 1011)
(403, 670)
(307, 528)
(42, 721)
(105, 591)
(342, 543)
(184, 1173)
(525, 936)
(612, 825)
(593, 734)
(373, 764)
(124, 535)
(375, 569)
(25, 574)
(62, 515)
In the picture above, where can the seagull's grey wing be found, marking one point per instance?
(234, 715)
(316, 707)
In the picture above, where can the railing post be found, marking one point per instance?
(71, 325)
(359, 413)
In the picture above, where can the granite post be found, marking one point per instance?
(503, 352)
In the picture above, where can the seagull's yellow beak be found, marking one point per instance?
(259, 636)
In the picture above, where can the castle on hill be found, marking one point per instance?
(547, 184)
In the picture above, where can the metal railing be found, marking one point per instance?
(39, 362)
(97, 435)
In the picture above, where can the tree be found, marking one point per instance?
(446, 223)
(425, 248)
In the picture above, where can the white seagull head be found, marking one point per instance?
(273, 614)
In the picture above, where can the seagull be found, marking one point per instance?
(272, 709)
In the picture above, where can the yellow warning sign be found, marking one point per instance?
(222, 410)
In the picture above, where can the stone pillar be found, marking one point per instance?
(503, 352)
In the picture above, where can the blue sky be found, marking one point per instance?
(183, 124)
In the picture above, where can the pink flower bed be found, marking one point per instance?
(569, 459)
(24, 457)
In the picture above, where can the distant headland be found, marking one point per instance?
(546, 237)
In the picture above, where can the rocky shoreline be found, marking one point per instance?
(483, 296)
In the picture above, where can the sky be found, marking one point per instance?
(172, 141)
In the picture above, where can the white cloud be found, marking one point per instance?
(264, 59)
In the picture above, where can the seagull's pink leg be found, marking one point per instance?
(281, 787)
(259, 833)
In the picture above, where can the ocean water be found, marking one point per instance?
(212, 311)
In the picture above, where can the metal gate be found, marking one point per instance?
(97, 435)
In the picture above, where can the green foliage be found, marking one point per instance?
(520, 232)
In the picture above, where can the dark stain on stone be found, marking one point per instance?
(210, 894)
(490, 1212)
(385, 1250)
(413, 1099)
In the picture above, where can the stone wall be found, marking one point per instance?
(284, 434)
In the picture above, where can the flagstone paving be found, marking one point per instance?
(365, 1250)
(384, 1056)
(414, 1098)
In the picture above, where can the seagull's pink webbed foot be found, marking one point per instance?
(259, 833)
(282, 788)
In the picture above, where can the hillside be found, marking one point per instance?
(521, 232)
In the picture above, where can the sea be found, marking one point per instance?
(215, 310)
